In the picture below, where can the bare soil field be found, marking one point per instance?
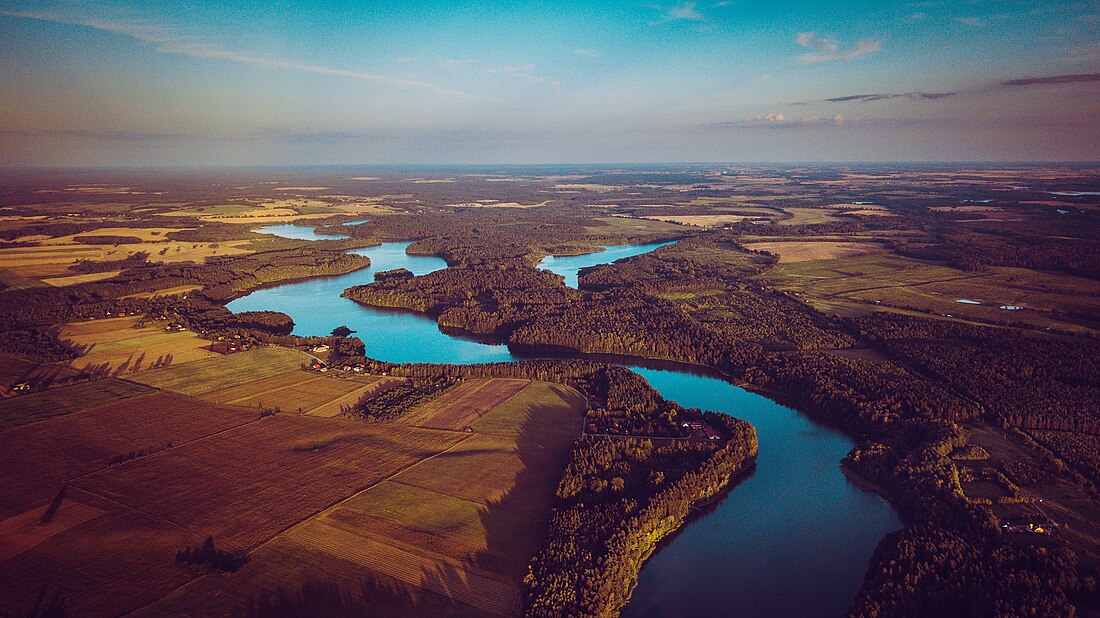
(67, 399)
(36, 459)
(249, 483)
(460, 406)
(19, 533)
(114, 561)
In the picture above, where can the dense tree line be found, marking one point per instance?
(106, 239)
(616, 500)
(974, 251)
(209, 554)
(134, 260)
(274, 322)
(395, 401)
(1022, 380)
(40, 345)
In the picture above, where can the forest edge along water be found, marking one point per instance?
(793, 537)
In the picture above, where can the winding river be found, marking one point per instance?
(792, 539)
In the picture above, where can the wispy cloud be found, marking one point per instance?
(886, 96)
(1078, 78)
(450, 64)
(682, 12)
(827, 48)
(166, 42)
(525, 72)
(685, 12)
(586, 53)
(973, 22)
(779, 120)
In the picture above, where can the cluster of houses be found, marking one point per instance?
(319, 365)
(699, 428)
(230, 346)
(1030, 527)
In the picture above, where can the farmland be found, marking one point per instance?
(250, 482)
(453, 531)
(301, 391)
(67, 399)
(460, 406)
(221, 372)
(54, 260)
(83, 442)
(119, 346)
(806, 251)
(881, 281)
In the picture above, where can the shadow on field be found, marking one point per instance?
(131, 365)
(486, 582)
(382, 597)
(515, 524)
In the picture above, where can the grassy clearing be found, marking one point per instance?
(628, 226)
(539, 408)
(805, 251)
(373, 388)
(809, 216)
(715, 220)
(62, 400)
(61, 282)
(221, 372)
(176, 291)
(899, 283)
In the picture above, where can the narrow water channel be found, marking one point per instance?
(792, 539)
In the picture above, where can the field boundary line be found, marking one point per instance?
(303, 521)
(337, 503)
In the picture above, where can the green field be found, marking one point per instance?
(541, 408)
(627, 226)
(64, 400)
(210, 374)
(888, 281)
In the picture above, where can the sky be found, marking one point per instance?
(296, 82)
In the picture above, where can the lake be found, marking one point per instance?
(793, 538)
(568, 266)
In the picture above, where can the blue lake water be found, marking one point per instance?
(569, 266)
(793, 538)
(298, 232)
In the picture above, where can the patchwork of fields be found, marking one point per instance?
(118, 346)
(441, 511)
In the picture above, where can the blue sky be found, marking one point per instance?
(294, 82)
